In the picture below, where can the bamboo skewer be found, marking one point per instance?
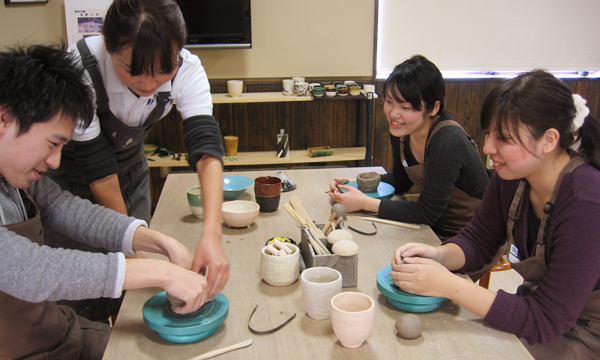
(389, 222)
(224, 350)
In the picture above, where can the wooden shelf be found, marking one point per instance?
(268, 158)
(258, 97)
(296, 157)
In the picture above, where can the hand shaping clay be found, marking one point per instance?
(409, 326)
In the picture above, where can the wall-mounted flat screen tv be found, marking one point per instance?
(217, 23)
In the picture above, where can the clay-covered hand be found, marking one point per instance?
(414, 249)
(188, 287)
(333, 186)
(210, 257)
(423, 277)
(353, 199)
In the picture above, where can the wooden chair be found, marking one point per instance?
(501, 265)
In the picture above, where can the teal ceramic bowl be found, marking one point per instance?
(234, 186)
(403, 300)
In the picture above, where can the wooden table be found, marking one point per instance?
(451, 332)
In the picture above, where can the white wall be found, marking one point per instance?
(290, 38)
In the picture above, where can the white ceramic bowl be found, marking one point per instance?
(239, 213)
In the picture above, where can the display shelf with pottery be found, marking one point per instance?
(404, 300)
(160, 317)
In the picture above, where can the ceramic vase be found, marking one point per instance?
(352, 316)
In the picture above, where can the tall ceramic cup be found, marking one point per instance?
(194, 197)
(280, 270)
(352, 316)
(231, 145)
(319, 285)
(267, 191)
(235, 87)
(288, 86)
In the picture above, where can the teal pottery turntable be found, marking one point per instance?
(403, 300)
(196, 326)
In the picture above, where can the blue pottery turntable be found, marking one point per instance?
(403, 300)
(196, 326)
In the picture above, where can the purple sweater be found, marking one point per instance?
(572, 253)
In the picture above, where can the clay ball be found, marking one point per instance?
(337, 235)
(345, 248)
(409, 326)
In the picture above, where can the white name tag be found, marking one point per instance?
(513, 256)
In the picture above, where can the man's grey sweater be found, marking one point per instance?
(36, 273)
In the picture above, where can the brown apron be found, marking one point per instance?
(45, 330)
(583, 340)
(459, 211)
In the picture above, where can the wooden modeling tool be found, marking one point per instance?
(224, 350)
(389, 222)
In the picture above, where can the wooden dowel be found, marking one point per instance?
(389, 222)
(224, 350)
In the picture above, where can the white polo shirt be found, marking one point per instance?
(190, 90)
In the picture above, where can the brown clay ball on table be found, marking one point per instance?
(409, 326)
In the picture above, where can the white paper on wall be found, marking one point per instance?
(84, 18)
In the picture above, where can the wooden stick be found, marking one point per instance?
(389, 222)
(291, 211)
(319, 243)
(297, 204)
(224, 350)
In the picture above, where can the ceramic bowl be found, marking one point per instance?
(234, 186)
(239, 213)
(150, 149)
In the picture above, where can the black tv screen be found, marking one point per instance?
(217, 23)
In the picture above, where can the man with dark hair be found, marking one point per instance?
(42, 95)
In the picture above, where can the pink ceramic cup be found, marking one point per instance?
(352, 316)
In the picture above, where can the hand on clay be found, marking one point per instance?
(333, 186)
(210, 257)
(422, 276)
(353, 199)
(187, 286)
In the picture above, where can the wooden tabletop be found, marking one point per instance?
(450, 332)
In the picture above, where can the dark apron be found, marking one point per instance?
(459, 211)
(45, 330)
(583, 340)
(127, 144)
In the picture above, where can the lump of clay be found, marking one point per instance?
(337, 235)
(345, 248)
(368, 181)
(409, 326)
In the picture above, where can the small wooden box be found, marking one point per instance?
(346, 265)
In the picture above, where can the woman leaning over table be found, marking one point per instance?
(430, 151)
(543, 202)
(138, 68)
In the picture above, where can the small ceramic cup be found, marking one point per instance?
(280, 270)
(288, 86)
(267, 192)
(367, 88)
(194, 197)
(318, 91)
(354, 90)
(231, 145)
(352, 316)
(319, 285)
(302, 88)
(342, 90)
(235, 87)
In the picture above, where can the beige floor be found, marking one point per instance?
(507, 280)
